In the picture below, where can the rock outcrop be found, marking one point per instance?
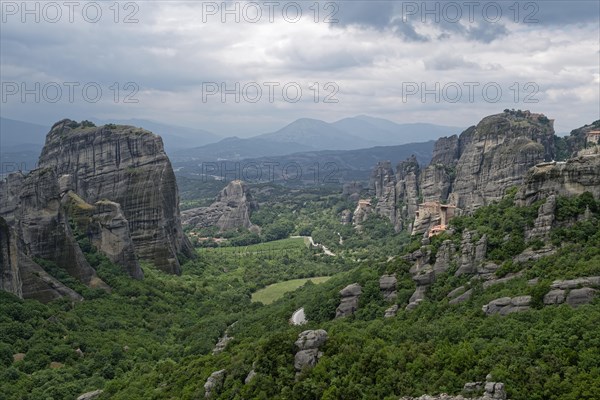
(436, 179)
(214, 383)
(578, 297)
(107, 229)
(128, 166)
(543, 223)
(223, 340)
(507, 305)
(361, 213)
(472, 253)
(491, 391)
(387, 285)
(91, 395)
(112, 185)
(391, 311)
(308, 345)
(349, 302)
(574, 292)
(570, 178)
(230, 210)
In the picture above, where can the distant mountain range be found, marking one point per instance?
(21, 135)
(307, 134)
(21, 142)
(309, 167)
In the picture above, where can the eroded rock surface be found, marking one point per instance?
(387, 285)
(230, 210)
(349, 302)
(308, 345)
(214, 383)
(507, 305)
(113, 185)
(128, 166)
(91, 395)
(570, 178)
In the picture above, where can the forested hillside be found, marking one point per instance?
(155, 338)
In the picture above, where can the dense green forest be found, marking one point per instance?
(153, 339)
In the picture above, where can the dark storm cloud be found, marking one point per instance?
(483, 21)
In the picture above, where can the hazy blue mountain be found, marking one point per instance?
(235, 148)
(174, 137)
(386, 132)
(306, 134)
(21, 135)
(328, 166)
(20, 145)
(319, 135)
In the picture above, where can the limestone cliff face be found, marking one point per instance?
(10, 279)
(466, 171)
(31, 205)
(436, 179)
(128, 166)
(230, 210)
(21, 276)
(573, 177)
(383, 182)
(497, 154)
(408, 174)
(107, 229)
(112, 184)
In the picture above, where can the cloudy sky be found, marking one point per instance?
(449, 63)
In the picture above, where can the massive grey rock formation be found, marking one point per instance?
(128, 166)
(230, 210)
(113, 185)
(466, 171)
(497, 154)
(31, 206)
